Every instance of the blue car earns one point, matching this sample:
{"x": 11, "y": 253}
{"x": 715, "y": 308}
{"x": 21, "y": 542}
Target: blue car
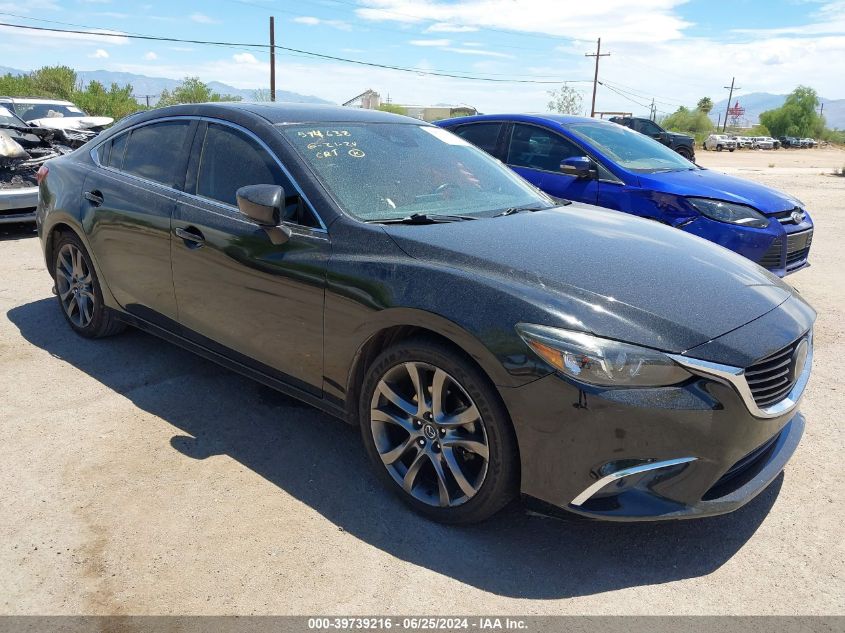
{"x": 602, "y": 163}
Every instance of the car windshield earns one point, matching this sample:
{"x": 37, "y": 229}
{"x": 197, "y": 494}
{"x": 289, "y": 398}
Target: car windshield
{"x": 389, "y": 171}
{"x": 8, "y": 118}
{"x": 630, "y": 149}
{"x": 32, "y": 111}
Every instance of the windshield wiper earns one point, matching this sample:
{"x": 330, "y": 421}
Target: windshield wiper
{"x": 513, "y": 210}
{"x": 424, "y": 218}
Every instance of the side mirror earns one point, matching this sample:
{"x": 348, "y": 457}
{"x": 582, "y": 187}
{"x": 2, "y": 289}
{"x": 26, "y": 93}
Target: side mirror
{"x": 263, "y": 205}
{"x": 578, "y": 166}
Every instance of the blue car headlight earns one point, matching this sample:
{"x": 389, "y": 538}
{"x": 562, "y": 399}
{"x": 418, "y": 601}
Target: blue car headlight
{"x": 729, "y": 212}
{"x": 601, "y": 361}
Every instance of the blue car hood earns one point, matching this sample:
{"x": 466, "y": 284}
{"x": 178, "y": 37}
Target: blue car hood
{"x": 705, "y": 183}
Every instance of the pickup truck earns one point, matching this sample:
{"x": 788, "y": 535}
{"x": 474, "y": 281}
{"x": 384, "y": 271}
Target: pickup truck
{"x": 681, "y": 143}
{"x": 719, "y": 142}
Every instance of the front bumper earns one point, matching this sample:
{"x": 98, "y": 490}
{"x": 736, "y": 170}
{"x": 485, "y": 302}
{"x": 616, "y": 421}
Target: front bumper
{"x": 690, "y": 450}
{"x": 18, "y": 205}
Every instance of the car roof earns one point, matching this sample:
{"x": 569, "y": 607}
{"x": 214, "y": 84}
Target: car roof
{"x": 281, "y": 113}
{"x": 35, "y": 100}
{"x": 560, "y": 119}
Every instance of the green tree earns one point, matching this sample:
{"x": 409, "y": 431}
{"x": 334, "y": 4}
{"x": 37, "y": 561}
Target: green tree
{"x": 191, "y": 90}
{"x": 115, "y": 102}
{"x": 392, "y": 107}
{"x": 564, "y": 100}
{"x": 58, "y": 82}
{"x": 694, "y": 122}
{"x": 705, "y": 104}
{"x": 797, "y": 116}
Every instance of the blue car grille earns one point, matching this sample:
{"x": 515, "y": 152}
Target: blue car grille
{"x": 797, "y": 250}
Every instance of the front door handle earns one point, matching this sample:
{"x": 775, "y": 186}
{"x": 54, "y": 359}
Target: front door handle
{"x": 95, "y": 197}
{"x": 192, "y": 236}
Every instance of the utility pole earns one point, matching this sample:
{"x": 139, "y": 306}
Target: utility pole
{"x": 597, "y": 54}
{"x": 821, "y": 112}
{"x": 730, "y": 97}
{"x": 651, "y": 110}
{"x": 272, "y": 59}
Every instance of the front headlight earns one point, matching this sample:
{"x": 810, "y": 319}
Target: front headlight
{"x": 729, "y": 212}
{"x": 600, "y": 361}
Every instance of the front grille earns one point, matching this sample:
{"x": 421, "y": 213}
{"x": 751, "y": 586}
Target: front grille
{"x": 771, "y": 379}
{"x": 798, "y": 247}
{"x": 771, "y": 258}
{"x": 785, "y": 217}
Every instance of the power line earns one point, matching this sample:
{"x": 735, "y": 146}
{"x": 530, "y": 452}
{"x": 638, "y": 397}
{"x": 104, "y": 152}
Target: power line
{"x": 417, "y": 71}
{"x": 251, "y": 45}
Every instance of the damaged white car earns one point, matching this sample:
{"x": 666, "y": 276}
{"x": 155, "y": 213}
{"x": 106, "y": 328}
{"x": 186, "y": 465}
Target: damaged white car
{"x": 23, "y": 149}
{"x": 54, "y": 113}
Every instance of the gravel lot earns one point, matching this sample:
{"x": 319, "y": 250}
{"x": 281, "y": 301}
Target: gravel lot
{"x": 140, "y": 479}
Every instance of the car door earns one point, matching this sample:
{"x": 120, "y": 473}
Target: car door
{"x": 535, "y": 153}
{"x": 130, "y": 197}
{"x": 238, "y": 293}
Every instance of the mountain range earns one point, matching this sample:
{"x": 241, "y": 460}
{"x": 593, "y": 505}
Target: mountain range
{"x": 142, "y": 86}
{"x": 757, "y": 102}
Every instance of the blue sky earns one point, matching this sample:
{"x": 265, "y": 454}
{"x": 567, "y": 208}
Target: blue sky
{"x": 669, "y": 50}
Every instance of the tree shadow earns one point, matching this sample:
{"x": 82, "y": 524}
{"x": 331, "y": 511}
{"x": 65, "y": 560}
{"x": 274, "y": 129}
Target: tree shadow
{"x": 320, "y": 461}
{"x": 17, "y": 231}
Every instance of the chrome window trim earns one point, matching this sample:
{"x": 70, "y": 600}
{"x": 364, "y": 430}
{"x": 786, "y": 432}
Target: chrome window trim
{"x": 735, "y": 376}
{"x": 585, "y": 496}
{"x": 93, "y": 153}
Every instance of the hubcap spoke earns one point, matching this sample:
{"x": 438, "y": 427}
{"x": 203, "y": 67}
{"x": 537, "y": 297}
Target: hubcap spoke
{"x": 413, "y": 470}
{"x": 456, "y": 471}
{"x": 441, "y": 480}
{"x": 74, "y": 285}
{"x": 438, "y": 385}
{"x": 473, "y": 446}
{"x": 414, "y": 373}
{"x": 387, "y": 391}
{"x": 378, "y": 415}
{"x": 392, "y": 456}
{"x": 465, "y": 417}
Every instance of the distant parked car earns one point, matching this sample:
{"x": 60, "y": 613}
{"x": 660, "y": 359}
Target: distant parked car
{"x": 808, "y": 142}
{"x": 789, "y": 141}
{"x": 744, "y": 142}
{"x": 597, "y": 162}
{"x": 53, "y": 113}
{"x": 719, "y": 142}
{"x": 762, "y": 142}
{"x": 681, "y": 143}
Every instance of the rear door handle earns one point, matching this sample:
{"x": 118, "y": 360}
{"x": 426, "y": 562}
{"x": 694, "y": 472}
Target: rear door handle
{"x": 193, "y": 236}
{"x": 95, "y": 197}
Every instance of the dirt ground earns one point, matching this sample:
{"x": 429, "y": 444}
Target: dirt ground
{"x": 140, "y": 479}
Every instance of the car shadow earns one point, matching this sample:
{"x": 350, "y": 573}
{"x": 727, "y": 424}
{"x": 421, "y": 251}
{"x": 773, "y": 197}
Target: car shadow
{"x": 17, "y": 231}
{"x": 320, "y": 461}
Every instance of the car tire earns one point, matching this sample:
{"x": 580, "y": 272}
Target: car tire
{"x": 453, "y": 460}
{"x": 718, "y": 148}
{"x": 683, "y": 151}
{"x": 78, "y": 290}
{"x": 731, "y": 149}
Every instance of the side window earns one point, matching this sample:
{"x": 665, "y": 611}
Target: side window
{"x": 118, "y": 148}
{"x": 536, "y": 148}
{"x": 154, "y": 151}
{"x": 482, "y": 135}
{"x": 648, "y": 128}
{"x": 104, "y": 152}
{"x": 230, "y": 160}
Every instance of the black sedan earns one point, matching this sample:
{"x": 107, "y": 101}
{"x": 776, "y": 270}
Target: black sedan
{"x": 488, "y": 340}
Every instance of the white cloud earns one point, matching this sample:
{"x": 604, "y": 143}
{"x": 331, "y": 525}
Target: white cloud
{"x": 202, "y": 18}
{"x": 99, "y": 54}
{"x": 150, "y": 56}
{"x": 57, "y": 39}
{"x": 445, "y": 27}
{"x": 476, "y": 51}
{"x": 310, "y": 20}
{"x": 619, "y": 20}
{"x": 429, "y": 42}
{"x": 245, "y": 58}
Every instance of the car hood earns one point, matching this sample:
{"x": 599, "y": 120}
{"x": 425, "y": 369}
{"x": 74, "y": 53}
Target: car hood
{"x": 605, "y": 272}
{"x": 73, "y": 123}
{"x": 705, "y": 183}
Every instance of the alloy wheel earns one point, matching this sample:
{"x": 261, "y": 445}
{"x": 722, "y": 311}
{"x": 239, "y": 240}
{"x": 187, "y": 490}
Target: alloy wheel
{"x": 75, "y": 285}
{"x": 429, "y": 434}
